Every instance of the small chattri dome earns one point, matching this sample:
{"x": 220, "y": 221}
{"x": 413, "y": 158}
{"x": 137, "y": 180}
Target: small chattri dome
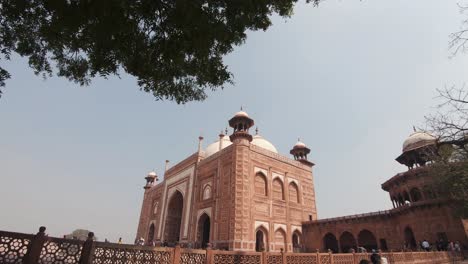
{"x": 417, "y": 140}
{"x": 263, "y": 143}
{"x": 241, "y": 113}
{"x": 300, "y": 144}
{"x": 152, "y": 173}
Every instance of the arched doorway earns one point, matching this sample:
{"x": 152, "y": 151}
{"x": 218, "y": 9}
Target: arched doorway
{"x": 296, "y": 241}
{"x": 347, "y": 242}
{"x": 150, "y": 234}
{"x": 367, "y": 240}
{"x": 410, "y": 241}
{"x": 261, "y": 239}
{"x": 330, "y": 242}
{"x": 174, "y": 218}
{"x": 204, "y": 225}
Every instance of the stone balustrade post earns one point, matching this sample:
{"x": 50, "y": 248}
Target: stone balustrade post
{"x": 355, "y": 260}
{"x": 34, "y": 249}
{"x": 318, "y": 256}
{"x": 264, "y": 258}
{"x": 283, "y": 256}
{"x": 176, "y": 255}
{"x": 330, "y": 253}
{"x": 87, "y": 251}
{"x": 209, "y": 254}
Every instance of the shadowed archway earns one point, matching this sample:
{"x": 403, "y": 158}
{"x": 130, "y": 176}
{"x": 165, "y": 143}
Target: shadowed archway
{"x": 174, "y": 218}
{"x": 330, "y": 242}
{"x": 150, "y": 234}
{"x": 347, "y": 242}
{"x": 204, "y": 225}
{"x": 367, "y": 240}
{"x": 410, "y": 241}
{"x": 261, "y": 240}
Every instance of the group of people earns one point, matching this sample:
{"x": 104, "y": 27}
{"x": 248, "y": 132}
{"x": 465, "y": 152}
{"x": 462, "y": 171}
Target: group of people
{"x": 375, "y": 259}
{"x": 440, "y": 245}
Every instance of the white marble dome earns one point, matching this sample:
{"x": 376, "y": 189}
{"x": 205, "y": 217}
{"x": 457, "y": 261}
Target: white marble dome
{"x": 152, "y": 173}
{"x": 214, "y": 147}
{"x": 263, "y": 143}
{"x": 257, "y": 140}
{"x": 417, "y": 140}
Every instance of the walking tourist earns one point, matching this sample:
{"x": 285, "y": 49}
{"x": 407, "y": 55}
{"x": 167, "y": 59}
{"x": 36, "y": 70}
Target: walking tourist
{"x": 375, "y": 257}
{"x": 457, "y": 246}
{"x": 425, "y": 245}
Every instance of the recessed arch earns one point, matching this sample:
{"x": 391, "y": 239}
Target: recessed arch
{"x": 347, "y": 242}
{"x": 297, "y": 241}
{"x": 206, "y": 192}
{"x": 410, "y": 241}
{"x": 278, "y": 189}
{"x": 174, "y": 217}
{"x": 261, "y": 239}
{"x": 204, "y": 228}
{"x": 367, "y": 240}
{"x": 330, "y": 243}
{"x": 293, "y": 192}
{"x": 260, "y": 184}
{"x": 280, "y": 239}
{"x": 150, "y": 234}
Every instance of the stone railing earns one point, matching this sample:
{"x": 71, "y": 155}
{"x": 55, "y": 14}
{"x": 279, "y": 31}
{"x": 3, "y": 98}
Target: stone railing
{"x": 31, "y": 249}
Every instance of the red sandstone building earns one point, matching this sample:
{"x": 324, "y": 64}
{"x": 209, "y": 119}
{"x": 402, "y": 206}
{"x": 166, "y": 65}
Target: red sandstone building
{"x": 418, "y": 213}
{"x": 237, "y": 194}
{"x": 240, "y": 194}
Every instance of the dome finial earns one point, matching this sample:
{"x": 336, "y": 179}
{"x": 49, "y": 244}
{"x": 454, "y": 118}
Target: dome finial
{"x": 226, "y": 131}
{"x": 414, "y": 128}
{"x": 256, "y": 131}
{"x": 241, "y": 108}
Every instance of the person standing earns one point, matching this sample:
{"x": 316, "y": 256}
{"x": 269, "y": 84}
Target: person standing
{"x": 425, "y": 245}
{"x": 375, "y": 257}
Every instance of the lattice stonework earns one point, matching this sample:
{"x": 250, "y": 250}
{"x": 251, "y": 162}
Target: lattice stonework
{"x": 325, "y": 259}
{"x": 192, "y": 258}
{"x": 236, "y": 259}
{"x": 301, "y": 259}
{"x": 343, "y": 259}
{"x": 60, "y": 252}
{"x": 104, "y": 255}
{"x": 12, "y": 250}
{"x": 275, "y": 259}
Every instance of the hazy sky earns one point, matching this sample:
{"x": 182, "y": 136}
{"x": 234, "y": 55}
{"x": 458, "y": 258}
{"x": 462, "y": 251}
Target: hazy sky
{"x": 350, "y": 78}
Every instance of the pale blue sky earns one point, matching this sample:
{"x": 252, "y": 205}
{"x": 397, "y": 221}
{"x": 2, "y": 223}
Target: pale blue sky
{"x": 350, "y": 78}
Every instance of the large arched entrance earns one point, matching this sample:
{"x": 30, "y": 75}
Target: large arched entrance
{"x": 347, "y": 242}
{"x": 150, "y": 234}
{"x": 367, "y": 240}
{"x": 261, "y": 239}
{"x": 204, "y": 225}
{"x": 330, "y": 242}
{"x": 174, "y": 218}
{"x": 410, "y": 241}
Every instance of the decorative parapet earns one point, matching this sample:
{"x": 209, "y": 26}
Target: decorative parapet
{"x": 378, "y": 214}
{"x": 15, "y": 246}
{"x": 279, "y": 157}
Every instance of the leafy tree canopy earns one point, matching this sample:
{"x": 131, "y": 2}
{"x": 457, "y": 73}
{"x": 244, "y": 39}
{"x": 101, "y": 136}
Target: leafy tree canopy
{"x": 174, "y": 48}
